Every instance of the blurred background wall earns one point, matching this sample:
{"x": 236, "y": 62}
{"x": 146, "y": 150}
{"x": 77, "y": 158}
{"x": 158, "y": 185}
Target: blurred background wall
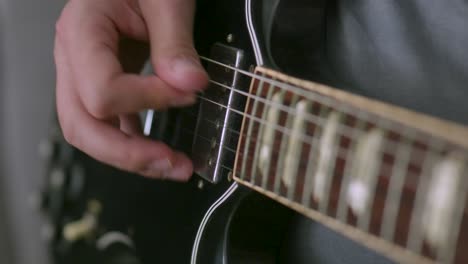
{"x": 27, "y": 81}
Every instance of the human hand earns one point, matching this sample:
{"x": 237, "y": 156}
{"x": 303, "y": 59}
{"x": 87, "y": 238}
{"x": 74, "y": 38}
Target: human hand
{"x": 97, "y": 102}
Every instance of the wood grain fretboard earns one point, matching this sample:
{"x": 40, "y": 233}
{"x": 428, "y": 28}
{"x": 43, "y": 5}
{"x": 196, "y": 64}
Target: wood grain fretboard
{"x": 389, "y": 178}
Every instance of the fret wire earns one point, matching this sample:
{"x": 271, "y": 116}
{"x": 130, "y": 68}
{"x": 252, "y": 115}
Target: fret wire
{"x": 314, "y": 96}
{"x": 461, "y": 206}
{"x": 285, "y": 86}
{"x": 342, "y": 128}
{"x": 343, "y": 206}
{"x": 311, "y": 96}
{"x": 402, "y": 159}
{"x": 395, "y": 190}
{"x": 364, "y": 220}
{"x": 249, "y": 133}
{"x": 228, "y": 168}
{"x": 253, "y": 170}
{"x": 288, "y": 110}
{"x": 415, "y": 236}
{"x": 323, "y": 202}
{"x": 258, "y": 139}
{"x": 313, "y": 152}
{"x": 305, "y": 138}
{"x": 289, "y": 122}
{"x": 283, "y": 130}
{"x": 384, "y": 167}
{"x": 277, "y": 180}
{"x": 341, "y": 152}
{"x": 312, "y": 140}
{"x": 399, "y": 133}
{"x": 233, "y": 150}
{"x": 448, "y": 254}
{"x": 431, "y": 146}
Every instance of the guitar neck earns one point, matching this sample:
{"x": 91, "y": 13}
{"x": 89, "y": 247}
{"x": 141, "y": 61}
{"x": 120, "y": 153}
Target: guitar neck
{"x": 387, "y": 177}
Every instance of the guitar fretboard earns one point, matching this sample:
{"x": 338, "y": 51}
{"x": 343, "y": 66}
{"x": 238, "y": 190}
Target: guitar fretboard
{"x": 390, "y": 178}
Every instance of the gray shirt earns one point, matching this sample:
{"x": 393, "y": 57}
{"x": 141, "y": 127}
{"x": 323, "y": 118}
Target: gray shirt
{"x": 412, "y": 53}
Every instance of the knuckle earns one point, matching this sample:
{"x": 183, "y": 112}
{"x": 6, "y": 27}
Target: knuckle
{"x": 66, "y": 124}
{"x": 59, "y": 35}
{"x": 97, "y": 102}
{"x": 68, "y": 132}
{"x": 62, "y": 26}
{"x": 97, "y": 108}
{"x": 69, "y": 137}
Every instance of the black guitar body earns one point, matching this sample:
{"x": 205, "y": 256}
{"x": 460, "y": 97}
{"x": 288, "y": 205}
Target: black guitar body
{"x": 248, "y": 227}
{"x": 182, "y": 223}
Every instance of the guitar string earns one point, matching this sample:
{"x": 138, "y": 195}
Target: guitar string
{"x": 283, "y": 86}
{"x": 386, "y": 168}
{"x": 388, "y": 149}
{"x": 229, "y": 109}
{"x": 314, "y": 141}
{"x": 281, "y": 107}
{"x": 317, "y": 120}
{"x": 304, "y": 138}
{"x": 311, "y": 96}
{"x": 314, "y": 119}
{"x": 341, "y": 152}
{"x": 283, "y": 130}
{"x": 309, "y": 140}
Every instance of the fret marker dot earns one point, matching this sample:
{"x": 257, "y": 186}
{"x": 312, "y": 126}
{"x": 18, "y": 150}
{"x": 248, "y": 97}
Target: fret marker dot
{"x": 358, "y": 194}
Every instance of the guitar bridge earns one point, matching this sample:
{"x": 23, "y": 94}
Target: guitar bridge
{"x": 219, "y": 114}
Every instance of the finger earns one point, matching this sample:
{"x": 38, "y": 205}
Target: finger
{"x": 128, "y": 93}
{"x": 104, "y": 89}
{"x": 130, "y": 124}
{"x": 130, "y": 152}
{"x": 170, "y": 26}
{"x": 107, "y": 143}
{"x": 176, "y": 170}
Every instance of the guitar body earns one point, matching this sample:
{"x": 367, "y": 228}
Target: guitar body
{"x": 246, "y": 227}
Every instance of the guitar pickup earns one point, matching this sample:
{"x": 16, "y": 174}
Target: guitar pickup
{"x": 219, "y": 116}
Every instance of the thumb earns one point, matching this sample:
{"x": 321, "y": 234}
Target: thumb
{"x": 170, "y": 27}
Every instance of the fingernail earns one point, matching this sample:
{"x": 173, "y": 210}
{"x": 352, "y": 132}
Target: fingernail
{"x": 185, "y": 64}
{"x": 182, "y": 101}
{"x": 160, "y": 166}
{"x": 179, "y": 173}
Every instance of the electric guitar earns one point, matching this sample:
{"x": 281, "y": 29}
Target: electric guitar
{"x": 389, "y": 178}
{"x": 268, "y": 141}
